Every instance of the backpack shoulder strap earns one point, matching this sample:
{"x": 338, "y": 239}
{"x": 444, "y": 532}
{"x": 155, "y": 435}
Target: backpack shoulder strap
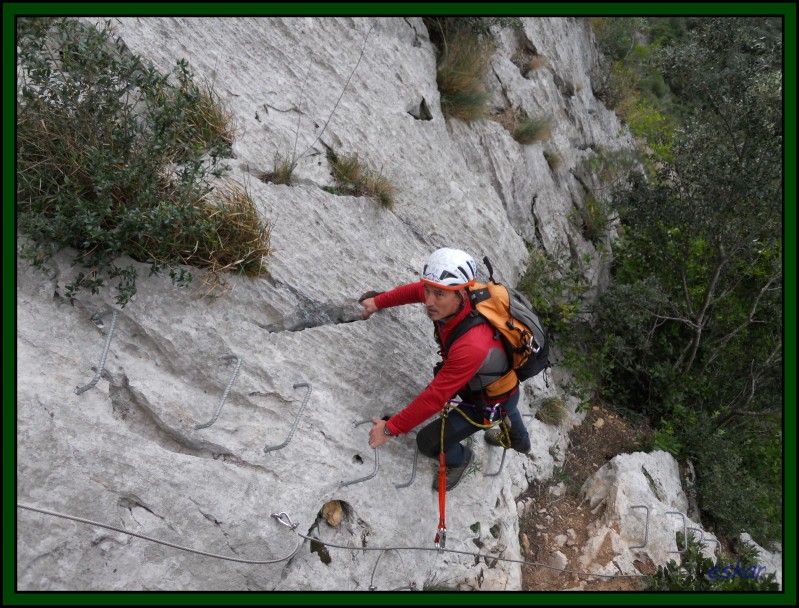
{"x": 473, "y": 319}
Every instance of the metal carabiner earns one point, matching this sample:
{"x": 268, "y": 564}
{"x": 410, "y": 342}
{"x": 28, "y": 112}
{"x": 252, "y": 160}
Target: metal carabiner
{"x": 284, "y": 519}
{"x": 441, "y": 538}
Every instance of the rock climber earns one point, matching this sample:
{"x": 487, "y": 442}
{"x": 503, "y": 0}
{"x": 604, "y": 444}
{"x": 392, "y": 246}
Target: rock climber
{"x": 475, "y": 360}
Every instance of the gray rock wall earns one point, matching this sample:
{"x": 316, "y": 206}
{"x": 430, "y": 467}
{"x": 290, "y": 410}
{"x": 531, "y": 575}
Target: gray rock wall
{"x": 127, "y": 452}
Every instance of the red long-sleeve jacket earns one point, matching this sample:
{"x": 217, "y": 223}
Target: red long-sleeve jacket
{"x": 465, "y": 358}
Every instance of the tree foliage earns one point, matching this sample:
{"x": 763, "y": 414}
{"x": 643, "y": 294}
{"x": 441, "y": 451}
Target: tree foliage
{"x": 691, "y": 329}
{"x": 695, "y": 572}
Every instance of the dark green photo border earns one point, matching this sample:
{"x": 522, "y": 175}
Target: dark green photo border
{"x": 10, "y": 594}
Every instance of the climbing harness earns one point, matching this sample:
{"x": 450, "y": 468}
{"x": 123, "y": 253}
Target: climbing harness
{"x": 488, "y": 422}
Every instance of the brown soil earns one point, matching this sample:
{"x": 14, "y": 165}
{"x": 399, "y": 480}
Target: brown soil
{"x": 601, "y": 436}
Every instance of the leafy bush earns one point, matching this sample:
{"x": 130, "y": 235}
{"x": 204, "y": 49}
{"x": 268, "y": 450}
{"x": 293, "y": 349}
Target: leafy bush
{"x": 354, "y": 179}
{"x": 695, "y": 572}
{"x": 553, "y": 285}
{"x": 593, "y": 218}
{"x": 616, "y": 35}
{"x": 114, "y": 158}
{"x": 756, "y": 470}
{"x": 652, "y": 127}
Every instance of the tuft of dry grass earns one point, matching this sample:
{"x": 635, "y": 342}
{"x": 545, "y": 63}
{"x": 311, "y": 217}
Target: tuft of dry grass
{"x": 537, "y": 62}
{"x": 533, "y": 130}
{"x": 353, "y": 178}
{"x": 211, "y": 118}
{"x": 207, "y": 123}
{"x": 379, "y": 188}
{"x": 461, "y": 76}
{"x": 553, "y": 411}
{"x": 524, "y": 129}
{"x": 347, "y": 170}
{"x": 528, "y": 61}
{"x": 554, "y": 160}
{"x": 240, "y": 240}
{"x": 283, "y": 171}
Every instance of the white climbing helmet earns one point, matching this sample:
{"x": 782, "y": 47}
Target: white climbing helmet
{"x": 449, "y": 269}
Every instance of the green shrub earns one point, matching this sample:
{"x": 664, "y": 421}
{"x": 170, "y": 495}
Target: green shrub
{"x": 654, "y": 129}
{"x": 665, "y": 439}
{"x": 756, "y": 468}
{"x": 114, "y": 158}
{"x": 553, "y": 285}
{"x": 593, "y": 218}
{"x": 695, "y": 572}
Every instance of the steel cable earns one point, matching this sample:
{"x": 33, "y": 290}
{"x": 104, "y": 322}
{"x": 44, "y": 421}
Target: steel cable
{"x": 282, "y": 518}
{"x": 162, "y": 542}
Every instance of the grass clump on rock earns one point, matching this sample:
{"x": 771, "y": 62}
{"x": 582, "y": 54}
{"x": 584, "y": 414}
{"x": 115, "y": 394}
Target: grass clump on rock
{"x": 354, "y": 179}
{"x": 117, "y": 159}
{"x": 553, "y": 411}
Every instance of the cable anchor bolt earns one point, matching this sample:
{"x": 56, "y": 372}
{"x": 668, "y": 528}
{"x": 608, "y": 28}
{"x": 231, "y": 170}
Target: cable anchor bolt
{"x": 284, "y": 519}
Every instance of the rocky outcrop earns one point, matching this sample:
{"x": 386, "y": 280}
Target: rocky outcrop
{"x": 640, "y": 507}
{"x": 287, "y": 356}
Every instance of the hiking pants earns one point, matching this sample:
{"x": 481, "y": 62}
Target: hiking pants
{"x": 456, "y": 429}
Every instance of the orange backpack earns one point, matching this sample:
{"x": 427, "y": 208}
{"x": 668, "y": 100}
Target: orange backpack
{"x": 522, "y": 333}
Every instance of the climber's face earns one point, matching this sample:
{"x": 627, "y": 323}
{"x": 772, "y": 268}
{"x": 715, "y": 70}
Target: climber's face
{"x": 441, "y": 304}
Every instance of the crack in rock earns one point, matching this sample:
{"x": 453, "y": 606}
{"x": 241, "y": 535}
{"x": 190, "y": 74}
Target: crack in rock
{"x": 132, "y": 408}
{"x": 317, "y": 315}
{"x": 131, "y": 501}
{"x": 311, "y": 314}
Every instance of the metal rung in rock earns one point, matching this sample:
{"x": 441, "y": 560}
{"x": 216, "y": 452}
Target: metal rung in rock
{"x": 296, "y": 418}
{"x": 95, "y": 318}
{"x": 224, "y": 395}
{"x": 377, "y": 461}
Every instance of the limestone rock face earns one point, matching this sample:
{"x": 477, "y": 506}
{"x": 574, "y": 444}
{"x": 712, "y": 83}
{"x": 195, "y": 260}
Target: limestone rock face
{"x": 286, "y": 356}
{"x": 640, "y": 507}
{"x": 639, "y": 501}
